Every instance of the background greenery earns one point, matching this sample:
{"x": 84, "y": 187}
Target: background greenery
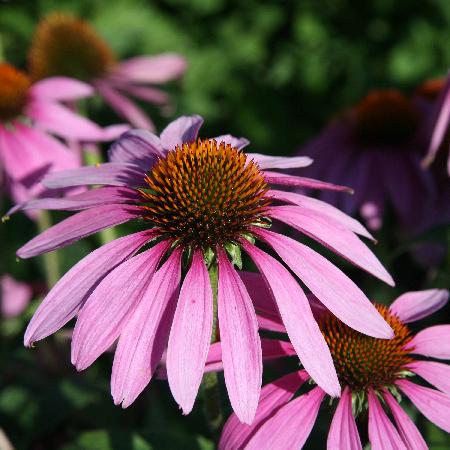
{"x": 273, "y": 71}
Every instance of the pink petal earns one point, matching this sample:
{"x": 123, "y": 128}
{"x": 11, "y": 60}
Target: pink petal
{"x": 61, "y": 88}
{"x": 331, "y": 286}
{"x": 113, "y": 174}
{"x": 78, "y": 226}
{"x": 190, "y": 334}
{"x": 145, "y": 336}
{"x": 183, "y": 130}
{"x": 291, "y": 180}
{"x": 241, "y": 346}
{"x": 235, "y": 435}
{"x": 298, "y": 319}
{"x": 124, "y": 107}
{"x": 152, "y": 69}
{"x": 318, "y": 206}
{"x": 65, "y": 299}
{"x": 291, "y": 426}
{"x": 111, "y": 305}
{"x": 343, "y": 432}
{"x": 435, "y": 373}
{"x": 408, "y": 431}
{"x": 434, "y": 405}
{"x": 433, "y": 342}
{"x": 382, "y": 434}
{"x": 235, "y": 142}
{"x": 280, "y": 162}
{"x": 148, "y": 94}
{"x": 334, "y": 236}
{"x": 416, "y": 305}
{"x": 14, "y": 296}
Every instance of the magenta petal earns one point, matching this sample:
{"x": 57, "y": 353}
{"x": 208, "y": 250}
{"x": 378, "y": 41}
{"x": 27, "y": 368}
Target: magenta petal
{"x": 113, "y": 174}
{"x": 146, "y": 93}
{"x": 111, "y": 305}
{"x": 61, "y": 88}
{"x": 434, "y": 405}
{"x": 382, "y": 433}
{"x": 291, "y": 426}
{"x": 235, "y": 434}
{"x": 301, "y": 327}
{"x": 435, "y": 373}
{"x": 144, "y": 338}
{"x": 235, "y": 142}
{"x": 14, "y": 296}
{"x": 333, "y": 235}
{"x": 433, "y": 342}
{"x": 182, "y": 130}
{"x": 241, "y": 346}
{"x": 190, "y": 334}
{"x": 331, "y": 286}
{"x": 318, "y": 206}
{"x": 408, "y": 431}
{"x": 68, "y": 295}
{"x": 280, "y": 162}
{"x": 416, "y": 305}
{"x": 78, "y": 226}
{"x": 343, "y": 432}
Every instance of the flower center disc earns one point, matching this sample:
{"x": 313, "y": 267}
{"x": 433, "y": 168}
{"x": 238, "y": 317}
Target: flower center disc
{"x": 13, "y": 92}
{"x": 385, "y": 118}
{"x": 430, "y": 89}
{"x": 364, "y": 362}
{"x": 66, "y": 45}
{"x": 205, "y": 194}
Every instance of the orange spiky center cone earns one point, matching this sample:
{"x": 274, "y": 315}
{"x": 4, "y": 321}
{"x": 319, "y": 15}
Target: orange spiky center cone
{"x": 14, "y": 86}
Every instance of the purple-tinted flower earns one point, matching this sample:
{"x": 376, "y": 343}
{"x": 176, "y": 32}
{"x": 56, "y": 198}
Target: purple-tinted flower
{"x": 373, "y": 374}
{"x": 29, "y": 114}
{"x": 376, "y": 148}
{"x": 198, "y": 200}
{"x": 14, "y": 296}
{"x": 66, "y": 45}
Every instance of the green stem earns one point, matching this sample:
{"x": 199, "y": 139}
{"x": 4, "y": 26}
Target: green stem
{"x": 213, "y": 408}
{"x": 51, "y": 260}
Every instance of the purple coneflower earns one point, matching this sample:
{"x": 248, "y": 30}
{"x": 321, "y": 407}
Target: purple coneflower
{"x": 29, "y": 114}
{"x": 66, "y": 45}
{"x": 373, "y": 374}
{"x": 14, "y": 296}
{"x": 198, "y": 200}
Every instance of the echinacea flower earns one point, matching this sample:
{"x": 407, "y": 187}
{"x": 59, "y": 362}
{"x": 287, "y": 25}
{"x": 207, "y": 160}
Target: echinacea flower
{"x": 376, "y": 148}
{"x": 197, "y": 200}
{"x": 67, "y": 45}
{"x": 373, "y": 373}
{"x": 29, "y": 114}
{"x": 14, "y": 296}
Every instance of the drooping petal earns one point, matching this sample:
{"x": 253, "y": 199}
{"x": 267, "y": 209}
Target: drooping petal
{"x": 235, "y": 434}
{"x": 291, "y": 426}
{"x": 190, "y": 334}
{"x": 434, "y": 405}
{"x": 408, "y": 431}
{"x": 113, "y": 174}
{"x": 14, "y": 296}
{"x": 382, "y": 433}
{"x": 301, "y": 327}
{"x": 111, "y": 305}
{"x": 238, "y": 143}
{"x": 435, "y": 373}
{"x": 146, "y": 93}
{"x": 280, "y": 162}
{"x": 66, "y": 298}
{"x": 61, "y": 89}
{"x": 331, "y": 286}
{"x": 241, "y": 346}
{"x": 183, "y": 130}
{"x": 433, "y": 342}
{"x": 78, "y": 226}
{"x": 318, "y": 206}
{"x": 343, "y": 432}
{"x": 416, "y": 305}
{"x": 152, "y": 69}
{"x": 334, "y": 236}
{"x": 145, "y": 336}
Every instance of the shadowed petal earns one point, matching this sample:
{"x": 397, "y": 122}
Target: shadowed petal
{"x": 180, "y": 131}
{"x": 435, "y": 373}
{"x": 61, "y": 88}
{"x": 241, "y": 346}
{"x": 280, "y": 162}
{"x": 190, "y": 334}
{"x": 433, "y": 342}
{"x": 416, "y": 305}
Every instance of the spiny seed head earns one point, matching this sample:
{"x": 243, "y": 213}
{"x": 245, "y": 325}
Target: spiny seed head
{"x": 66, "y": 45}
{"x": 205, "y": 194}
{"x": 14, "y": 86}
{"x": 385, "y": 117}
{"x": 364, "y": 362}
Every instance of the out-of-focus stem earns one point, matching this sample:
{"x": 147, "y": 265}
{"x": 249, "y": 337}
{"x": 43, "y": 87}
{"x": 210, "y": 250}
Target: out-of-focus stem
{"x": 51, "y": 260}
